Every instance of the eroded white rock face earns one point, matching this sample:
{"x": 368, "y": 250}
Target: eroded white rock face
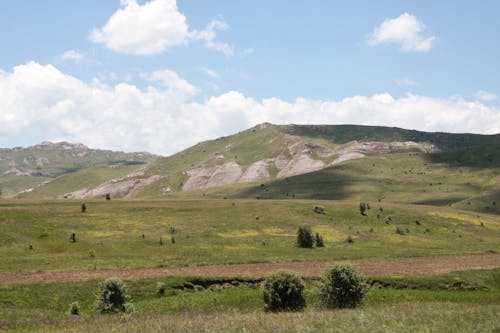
{"x": 204, "y": 177}
{"x": 116, "y": 188}
{"x": 299, "y": 165}
{"x": 347, "y": 157}
{"x": 257, "y": 171}
{"x": 354, "y": 149}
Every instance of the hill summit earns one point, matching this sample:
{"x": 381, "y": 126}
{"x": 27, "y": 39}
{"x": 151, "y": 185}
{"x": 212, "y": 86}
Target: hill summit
{"x": 295, "y": 161}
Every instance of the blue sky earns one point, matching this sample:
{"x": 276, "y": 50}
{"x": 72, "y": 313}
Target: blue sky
{"x": 161, "y": 75}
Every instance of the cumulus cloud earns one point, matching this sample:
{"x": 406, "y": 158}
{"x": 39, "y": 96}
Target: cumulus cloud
{"x": 405, "y": 30}
{"x": 485, "y": 95}
{"x": 154, "y": 28}
{"x": 72, "y": 55}
{"x": 39, "y": 101}
{"x": 208, "y": 37}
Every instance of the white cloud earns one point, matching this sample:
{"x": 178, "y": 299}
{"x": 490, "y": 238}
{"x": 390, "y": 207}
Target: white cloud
{"x": 72, "y": 55}
{"x": 405, "y": 30}
{"x": 151, "y": 28}
{"x": 208, "y": 37}
{"x": 405, "y": 82}
{"x": 485, "y": 95}
{"x": 154, "y": 28}
{"x": 39, "y": 101}
{"x": 210, "y": 72}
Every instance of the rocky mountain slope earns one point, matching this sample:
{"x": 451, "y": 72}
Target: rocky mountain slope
{"x": 327, "y": 162}
{"x": 24, "y": 169}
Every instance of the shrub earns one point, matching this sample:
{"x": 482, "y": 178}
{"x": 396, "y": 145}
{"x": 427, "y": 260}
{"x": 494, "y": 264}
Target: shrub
{"x": 400, "y": 231}
{"x": 362, "y": 208}
{"x": 74, "y": 309}
{"x": 84, "y": 207}
{"x": 283, "y": 291}
{"x": 304, "y": 236}
{"x": 342, "y": 287}
{"x": 111, "y": 296}
{"x": 319, "y": 240}
{"x": 160, "y": 289}
{"x": 319, "y": 209}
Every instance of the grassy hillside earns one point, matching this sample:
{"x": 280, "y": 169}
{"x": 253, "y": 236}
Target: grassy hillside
{"x": 245, "y": 148}
{"x": 406, "y": 178}
{"x": 110, "y": 234}
{"x": 344, "y": 133}
{"x": 86, "y": 178}
{"x": 465, "y": 170}
{"x": 25, "y": 168}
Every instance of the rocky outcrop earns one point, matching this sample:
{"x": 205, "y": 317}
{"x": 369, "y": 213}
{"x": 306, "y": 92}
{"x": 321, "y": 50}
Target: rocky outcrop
{"x": 257, "y": 171}
{"x": 299, "y": 165}
{"x": 355, "y": 149}
{"x": 116, "y": 188}
{"x": 212, "y": 176}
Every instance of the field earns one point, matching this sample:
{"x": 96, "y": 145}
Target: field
{"x": 418, "y": 258}
{"x": 117, "y": 234}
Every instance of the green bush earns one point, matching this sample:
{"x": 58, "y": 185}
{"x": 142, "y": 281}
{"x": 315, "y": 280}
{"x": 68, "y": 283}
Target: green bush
{"x": 305, "y": 236}
{"x": 342, "y": 287}
{"x": 283, "y": 291}
{"x": 319, "y": 240}
{"x": 74, "y": 309}
{"x": 161, "y": 288}
{"x": 111, "y": 296}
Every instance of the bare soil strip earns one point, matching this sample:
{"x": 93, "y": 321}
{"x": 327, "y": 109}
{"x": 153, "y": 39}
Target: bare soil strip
{"x": 374, "y": 266}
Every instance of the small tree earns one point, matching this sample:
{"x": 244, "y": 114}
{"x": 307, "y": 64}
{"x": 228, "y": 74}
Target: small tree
{"x": 305, "y": 236}
{"x": 319, "y": 240}
{"x": 72, "y": 237}
{"x": 84, "y": 207}
{"x": 342, "y": 287}
{"x": 111, "y": 296}
{"x": 283, "y": 291}
{"x": 362, "y": 208}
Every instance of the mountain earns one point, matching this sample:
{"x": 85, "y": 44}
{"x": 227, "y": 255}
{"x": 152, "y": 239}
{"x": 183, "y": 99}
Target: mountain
{"x": 314, "y": 162}
{"x": 27, "y": 169}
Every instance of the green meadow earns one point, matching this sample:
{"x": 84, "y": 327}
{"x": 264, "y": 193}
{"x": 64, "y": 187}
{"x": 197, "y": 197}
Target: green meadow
{"x": 466, "y": 301}
{"x": 35, "y": 235}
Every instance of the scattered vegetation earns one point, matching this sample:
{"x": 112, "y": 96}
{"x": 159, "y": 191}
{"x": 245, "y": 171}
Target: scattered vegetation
{"x": 74, "y": 309}
{"x": 112, "y": 296}
{"x": 342, "y": 287}
{"x": 319, "y": 240}
{"x": 305, "y": 236}
{"x": 283, "y": 291}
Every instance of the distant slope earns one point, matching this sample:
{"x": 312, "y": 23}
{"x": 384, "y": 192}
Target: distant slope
{"x": 342, "y": 134}
{"x": 26, "y": 168}
{"x": 316, "y": 162}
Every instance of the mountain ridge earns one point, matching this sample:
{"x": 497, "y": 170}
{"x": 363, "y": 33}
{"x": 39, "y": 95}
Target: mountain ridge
{"x": 309, "y": 156}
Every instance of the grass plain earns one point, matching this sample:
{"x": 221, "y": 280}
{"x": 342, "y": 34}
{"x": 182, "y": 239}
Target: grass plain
{"x": 35, "y": 235}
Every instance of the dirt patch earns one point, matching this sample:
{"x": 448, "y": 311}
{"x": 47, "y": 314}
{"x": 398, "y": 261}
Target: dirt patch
{"x": 375, "y": 266}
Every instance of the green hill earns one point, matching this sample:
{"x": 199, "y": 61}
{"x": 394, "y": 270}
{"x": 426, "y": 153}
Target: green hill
{"x": 348, "y": 162}
{"x": 26, "y": 169}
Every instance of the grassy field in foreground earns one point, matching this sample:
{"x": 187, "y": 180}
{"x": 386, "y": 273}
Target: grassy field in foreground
{"x": 455, "y": 302}
{"x": 35, "y": 235}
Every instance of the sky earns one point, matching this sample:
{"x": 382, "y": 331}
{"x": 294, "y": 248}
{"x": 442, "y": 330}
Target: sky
{"x": 162, "y": 75}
